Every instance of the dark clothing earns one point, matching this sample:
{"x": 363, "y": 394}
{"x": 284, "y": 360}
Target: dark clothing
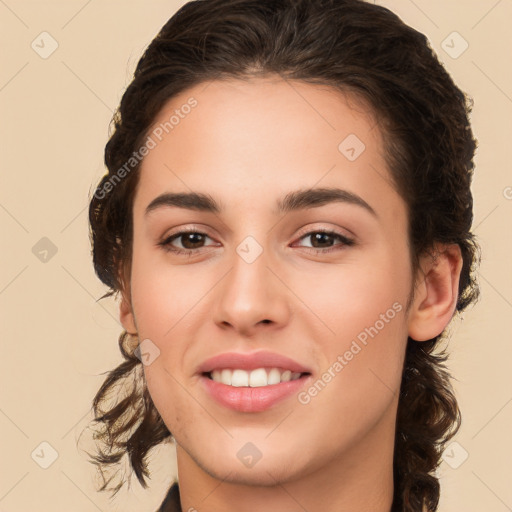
{"x": 171, "y": 502}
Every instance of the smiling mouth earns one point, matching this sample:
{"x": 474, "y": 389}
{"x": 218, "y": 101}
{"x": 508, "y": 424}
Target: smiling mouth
{"x": 259, "y": 377}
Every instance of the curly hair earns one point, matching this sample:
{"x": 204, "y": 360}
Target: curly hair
{"x": 358, "y": 48}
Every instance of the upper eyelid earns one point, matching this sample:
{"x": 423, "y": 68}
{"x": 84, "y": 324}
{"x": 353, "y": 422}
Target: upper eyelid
{"x": 345, "y": 239}
{"x": 335, "y": 231}
{"x": 311, "y": 229}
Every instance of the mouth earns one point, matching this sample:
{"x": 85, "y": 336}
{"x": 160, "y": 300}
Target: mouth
{"x": 257, "y": 378}
{"x": 252, "y": 382}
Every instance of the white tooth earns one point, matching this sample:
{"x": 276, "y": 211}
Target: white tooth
{"x": 239, "y": 378}
{"x": 225, "y": 377}
{"x": 286, "y": 376}
{"x": 258, "y": 378}
{"x": 274, "y": 376}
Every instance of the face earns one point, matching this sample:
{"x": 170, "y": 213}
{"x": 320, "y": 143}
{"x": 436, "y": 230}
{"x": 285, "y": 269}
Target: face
{"x": 276, "y": 325}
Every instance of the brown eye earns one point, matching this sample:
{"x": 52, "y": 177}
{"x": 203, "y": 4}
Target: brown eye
{"x": 325, "y": 241}
{"x": 185, "y": 242}
{"x": 191, "y": 240}
{"x": 319, "y": 239}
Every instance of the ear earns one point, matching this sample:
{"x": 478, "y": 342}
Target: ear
{"x": 126, "y": 314}
{"x": 435, "y": 293}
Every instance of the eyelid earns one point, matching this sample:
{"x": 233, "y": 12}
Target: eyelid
{"x": 315, "y": 228}
{"x": 183, "y": 231}
{"x": 193, "y": 228}
{"x": 346, "y": 241}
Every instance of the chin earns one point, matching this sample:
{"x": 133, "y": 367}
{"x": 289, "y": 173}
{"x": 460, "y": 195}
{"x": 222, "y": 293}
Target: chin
{"x": 245, "y": 464}
{"x": 263, "y": 475}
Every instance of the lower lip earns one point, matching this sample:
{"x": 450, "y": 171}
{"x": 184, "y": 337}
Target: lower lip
{"x": 247, "y": 399}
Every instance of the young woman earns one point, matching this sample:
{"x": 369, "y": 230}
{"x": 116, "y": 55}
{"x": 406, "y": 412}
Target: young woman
{"x": 286, "y": 219}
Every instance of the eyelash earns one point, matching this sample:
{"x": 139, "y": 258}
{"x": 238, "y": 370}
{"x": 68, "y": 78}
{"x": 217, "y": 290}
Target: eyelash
{"x": 166, "y": 244}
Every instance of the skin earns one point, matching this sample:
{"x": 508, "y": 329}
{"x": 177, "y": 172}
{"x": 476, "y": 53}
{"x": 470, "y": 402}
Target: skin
{"x": 247, "y": 144}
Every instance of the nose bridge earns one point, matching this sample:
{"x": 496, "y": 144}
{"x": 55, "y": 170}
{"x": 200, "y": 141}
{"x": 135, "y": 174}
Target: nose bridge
{"x": 251, "y": 294}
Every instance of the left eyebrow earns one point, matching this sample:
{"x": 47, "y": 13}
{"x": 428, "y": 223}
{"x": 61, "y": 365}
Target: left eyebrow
{"x": 315, "y": 197}
{"x": 296, "y": 200}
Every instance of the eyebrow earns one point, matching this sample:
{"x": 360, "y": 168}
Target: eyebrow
{"x": 296, "y": 200}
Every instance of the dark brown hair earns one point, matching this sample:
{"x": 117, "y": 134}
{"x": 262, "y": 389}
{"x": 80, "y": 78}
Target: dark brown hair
{"x": 361, "y": 49}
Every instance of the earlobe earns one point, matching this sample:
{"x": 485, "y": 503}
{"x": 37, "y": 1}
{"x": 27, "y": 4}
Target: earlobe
{"x": 436, "y": 292}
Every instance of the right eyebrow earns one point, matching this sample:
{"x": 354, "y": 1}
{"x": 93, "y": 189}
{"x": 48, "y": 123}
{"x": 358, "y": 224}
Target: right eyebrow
{"x": 189, "y": 200}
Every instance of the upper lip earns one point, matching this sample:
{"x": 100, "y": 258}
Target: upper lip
{"x": 251, "y": 361}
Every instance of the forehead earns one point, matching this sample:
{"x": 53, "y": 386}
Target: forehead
{"x": 258, "y": 139}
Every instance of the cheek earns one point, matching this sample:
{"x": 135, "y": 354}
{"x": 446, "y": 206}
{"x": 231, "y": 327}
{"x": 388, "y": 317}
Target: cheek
{"x": 362, "y": 358}
{"x": 168, "y": 398}
{"x": 364, "y": 310}
{"x": 163, "y": 295}
{"x": 352, "y": 297}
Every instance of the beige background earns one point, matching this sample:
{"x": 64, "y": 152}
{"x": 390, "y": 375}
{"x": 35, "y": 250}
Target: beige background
{"x": 57, "y": 340}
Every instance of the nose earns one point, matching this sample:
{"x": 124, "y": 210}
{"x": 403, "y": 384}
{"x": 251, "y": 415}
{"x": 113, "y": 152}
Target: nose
{"x": 252, "y": 297}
